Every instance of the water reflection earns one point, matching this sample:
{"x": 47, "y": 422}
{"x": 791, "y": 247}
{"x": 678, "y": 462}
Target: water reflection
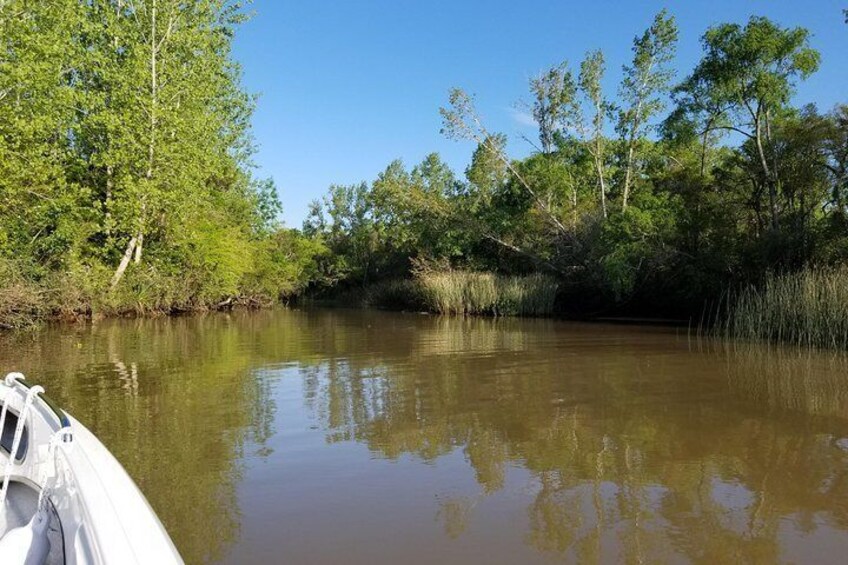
{"x": 812, "y": 382}
{"x": 174, "y": 400}
{"x": 641, "y": 448}
{"x": 369, "y": 437}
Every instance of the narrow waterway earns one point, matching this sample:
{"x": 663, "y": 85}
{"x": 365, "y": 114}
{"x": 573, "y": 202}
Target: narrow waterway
{"x": 333, "y": 436}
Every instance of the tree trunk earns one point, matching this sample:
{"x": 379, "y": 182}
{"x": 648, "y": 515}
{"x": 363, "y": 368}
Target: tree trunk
{"x": 138, "y": 247}
{"x": 769, "y": 177}
{"x": 546, "y": 210}
{"x": 704, "y": 152}
{"x": 125, "y": 261}
{"x": 573, "y": 206}
{"x": 631, "y": 154}
{"x": 628, "y": 175}
{"x": 108, "y": 199}
{"x": 600, "y": 170}
{"x": 151, "y": 148}
{"x": 599, "y": 159}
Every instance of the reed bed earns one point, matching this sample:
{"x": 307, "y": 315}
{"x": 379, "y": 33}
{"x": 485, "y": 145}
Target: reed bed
{"x": 808, "y": 309}
{"x": 474, "y": 293}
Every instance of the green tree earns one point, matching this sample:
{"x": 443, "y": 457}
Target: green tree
{"x": 645, "y": 82}
{"x": 744, "y": 81}
{"x": 487, "y": 172}
{"x": 461, "y": 121}
{"x": 125, "y": 152}
{"x": 836, "y": 153}
{"x": 42, "y": 209}
{"x": 554, "y": 103}
{"x": 591, "y": 73}
{"x": 183, "y": 115}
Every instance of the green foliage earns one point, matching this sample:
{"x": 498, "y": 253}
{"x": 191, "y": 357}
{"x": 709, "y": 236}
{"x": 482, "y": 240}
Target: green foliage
{"x": 487, "y": 174}
{"x": 21, "y": 301}
{"x": 555, "y": 104}
{"x": 645, "y": 83}
{"x": 631, "y": 246}
{"x": 743, "y": 85}
{"x": 757, "y": 64}
{"x": 374, "y": 230}
{"x": 286, "y": 263}
{"x": 125, "y": 161}
{"x": 633, "y": 222}
{"x": 126, "y": 184}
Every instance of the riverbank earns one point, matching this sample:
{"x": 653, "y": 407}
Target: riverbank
{"x": 808, "y": 309}
{"x": 27, "y": 302}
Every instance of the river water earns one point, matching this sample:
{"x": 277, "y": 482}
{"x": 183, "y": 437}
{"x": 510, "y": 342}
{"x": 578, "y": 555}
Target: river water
{"x": 336, "y": 436}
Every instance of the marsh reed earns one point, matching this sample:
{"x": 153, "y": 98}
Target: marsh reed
{"x": 808, "y": 308}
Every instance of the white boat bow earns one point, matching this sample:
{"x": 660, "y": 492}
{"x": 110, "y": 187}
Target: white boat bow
{"x": 65, "y": 499}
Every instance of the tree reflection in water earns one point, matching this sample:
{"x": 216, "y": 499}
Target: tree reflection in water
{"x": 174, "y": 400}
{"x": 642, "y": 447}
{"x": 614, "y": 444}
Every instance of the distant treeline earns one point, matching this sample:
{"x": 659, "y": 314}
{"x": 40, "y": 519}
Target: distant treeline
{"x": 126, "y": 182}
{"x": 653, "y": 200}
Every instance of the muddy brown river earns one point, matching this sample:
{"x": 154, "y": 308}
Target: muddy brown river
{"x": 334, "y": 436}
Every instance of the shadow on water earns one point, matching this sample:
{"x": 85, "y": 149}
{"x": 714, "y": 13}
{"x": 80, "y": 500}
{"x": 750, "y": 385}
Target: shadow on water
{"x": 599, "y": 443}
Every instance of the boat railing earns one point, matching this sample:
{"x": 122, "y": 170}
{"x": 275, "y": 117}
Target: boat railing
{"x": 13, "y": 379}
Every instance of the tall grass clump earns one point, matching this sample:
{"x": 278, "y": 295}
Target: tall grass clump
{"x": 808, "y": 308}
{"x": 474, "y": 293}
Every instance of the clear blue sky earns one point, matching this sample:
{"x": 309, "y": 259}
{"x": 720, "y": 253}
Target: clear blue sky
{"x": 347, "y": 86}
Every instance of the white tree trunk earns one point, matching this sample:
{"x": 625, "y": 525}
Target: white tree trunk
{"x": 125, "y": 261}
{"x": 138, "y": 247}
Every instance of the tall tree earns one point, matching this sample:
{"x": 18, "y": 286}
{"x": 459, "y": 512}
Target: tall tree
{"x": 184, "y": 119}
{"x": 746, "y": 78}
{"x": 836, "y": 155}
{"x": 591, "y": 73}
{"x": 41, "y": 207}
{"x": 646, "y": 82}
{"x": 554, "y": 101}
{"x": 487, "y": 172}
{"x": 461, "y": 121}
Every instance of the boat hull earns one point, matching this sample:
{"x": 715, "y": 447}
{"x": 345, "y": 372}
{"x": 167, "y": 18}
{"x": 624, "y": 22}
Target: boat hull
{"x": 103, "y": 516}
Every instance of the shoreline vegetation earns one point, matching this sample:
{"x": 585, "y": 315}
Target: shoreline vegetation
{"x": 465, "y": 293}
{"x": 808, "y": 309}
{"x": 127, "y": 185}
